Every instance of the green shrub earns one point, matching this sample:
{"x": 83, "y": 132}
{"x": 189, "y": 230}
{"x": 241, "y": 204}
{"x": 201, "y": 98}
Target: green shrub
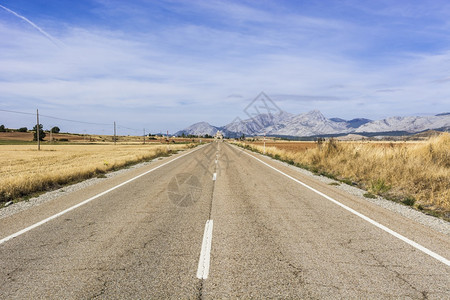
{"x": 409, "y": 201}
{"x": 369, "y": 195}
{"x": 379, "y": 187}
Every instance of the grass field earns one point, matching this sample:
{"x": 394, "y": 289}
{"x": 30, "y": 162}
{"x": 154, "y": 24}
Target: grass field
{"x": 305, "y": 145}
{"x": 288, "y": 146}
{"x": 24, "y": 170}
{"x": 417, "y": 174}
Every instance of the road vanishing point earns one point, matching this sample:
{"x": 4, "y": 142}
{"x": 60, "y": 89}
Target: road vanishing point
{"x": 217, "y": 221}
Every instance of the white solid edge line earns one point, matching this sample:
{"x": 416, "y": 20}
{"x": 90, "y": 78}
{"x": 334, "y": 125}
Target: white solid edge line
{"x": 205, "y": 253}
{"x": 390, "y": 231}
{"x": 88, "y": 200}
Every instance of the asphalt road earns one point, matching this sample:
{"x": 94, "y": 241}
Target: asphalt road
{"x": 235, "y": 228}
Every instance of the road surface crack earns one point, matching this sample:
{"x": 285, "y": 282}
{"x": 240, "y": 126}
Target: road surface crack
{"x": 399, "y": 276}
{"x": 102, "y": 289}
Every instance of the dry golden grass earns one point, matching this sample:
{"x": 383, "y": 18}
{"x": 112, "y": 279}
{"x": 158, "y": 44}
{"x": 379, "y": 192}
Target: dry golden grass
{"x": 24, "y": 170}
{"x": 289, "y": 146}
{"x": 403, "y": 171}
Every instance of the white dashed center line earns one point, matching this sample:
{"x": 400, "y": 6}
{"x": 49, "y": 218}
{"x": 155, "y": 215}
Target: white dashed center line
{"x": 203, "y": 263}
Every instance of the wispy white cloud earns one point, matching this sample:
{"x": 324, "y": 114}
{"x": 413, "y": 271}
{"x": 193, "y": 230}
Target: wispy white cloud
{"x": 43, "y": 32}
{"x": 190, "y": 68}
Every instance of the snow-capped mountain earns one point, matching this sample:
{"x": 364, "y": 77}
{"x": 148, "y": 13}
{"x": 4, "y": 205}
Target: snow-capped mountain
{"x": 200, "y": 129}
{"x": 258, "y": 124}
{"x": 314, "y": 123}
{"x": 354, "y": 123}
{"x": 408, "y": 124}
{"x": 309, "y": 124}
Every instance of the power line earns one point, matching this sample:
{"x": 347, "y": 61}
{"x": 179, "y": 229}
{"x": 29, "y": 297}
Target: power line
{"x": 123, "y": 127}
{"x": 18, "y": 112}
{"x": 74, "y": 121}
{"x": 134, "y": 129}
{"x": 56, "y": 118}
{"x": 69, "y": 120}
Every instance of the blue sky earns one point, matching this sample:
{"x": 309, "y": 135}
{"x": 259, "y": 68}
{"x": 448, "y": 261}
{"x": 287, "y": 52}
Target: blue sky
{"x": 163, "y": 65}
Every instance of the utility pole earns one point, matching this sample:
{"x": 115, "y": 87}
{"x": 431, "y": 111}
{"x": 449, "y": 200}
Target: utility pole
{"x": 264, "y": 142}
{"x": 168, "y": 142}
{"x": 114, "y": 132}
{"x": 144, "y": 136}
{"x": 37, "y": 130}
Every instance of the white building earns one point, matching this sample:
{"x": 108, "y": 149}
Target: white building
{"x": 218, "y": 135}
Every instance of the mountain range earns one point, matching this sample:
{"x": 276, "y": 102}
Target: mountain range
{"x": 314, "y": 123}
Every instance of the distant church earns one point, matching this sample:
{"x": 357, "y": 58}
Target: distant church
{"x": 218, "y": 135}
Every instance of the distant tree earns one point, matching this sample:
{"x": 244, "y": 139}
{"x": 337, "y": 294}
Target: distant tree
{"x": 207, "y": 136}
{"x": 22, "y": 129}
{"x": 2, "y": 128}
{"x": 320, "y": 141}
{"x": 55, "y": 129}
{"x": 183, "y": 135}
{"x": 243, "y": 137}
{"x": 41, "y": 133}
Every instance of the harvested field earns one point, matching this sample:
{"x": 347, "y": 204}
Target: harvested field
{"x": 56, "y": 138}
{"x": 16, "y": 136}
{"x": 24, "y": 170}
